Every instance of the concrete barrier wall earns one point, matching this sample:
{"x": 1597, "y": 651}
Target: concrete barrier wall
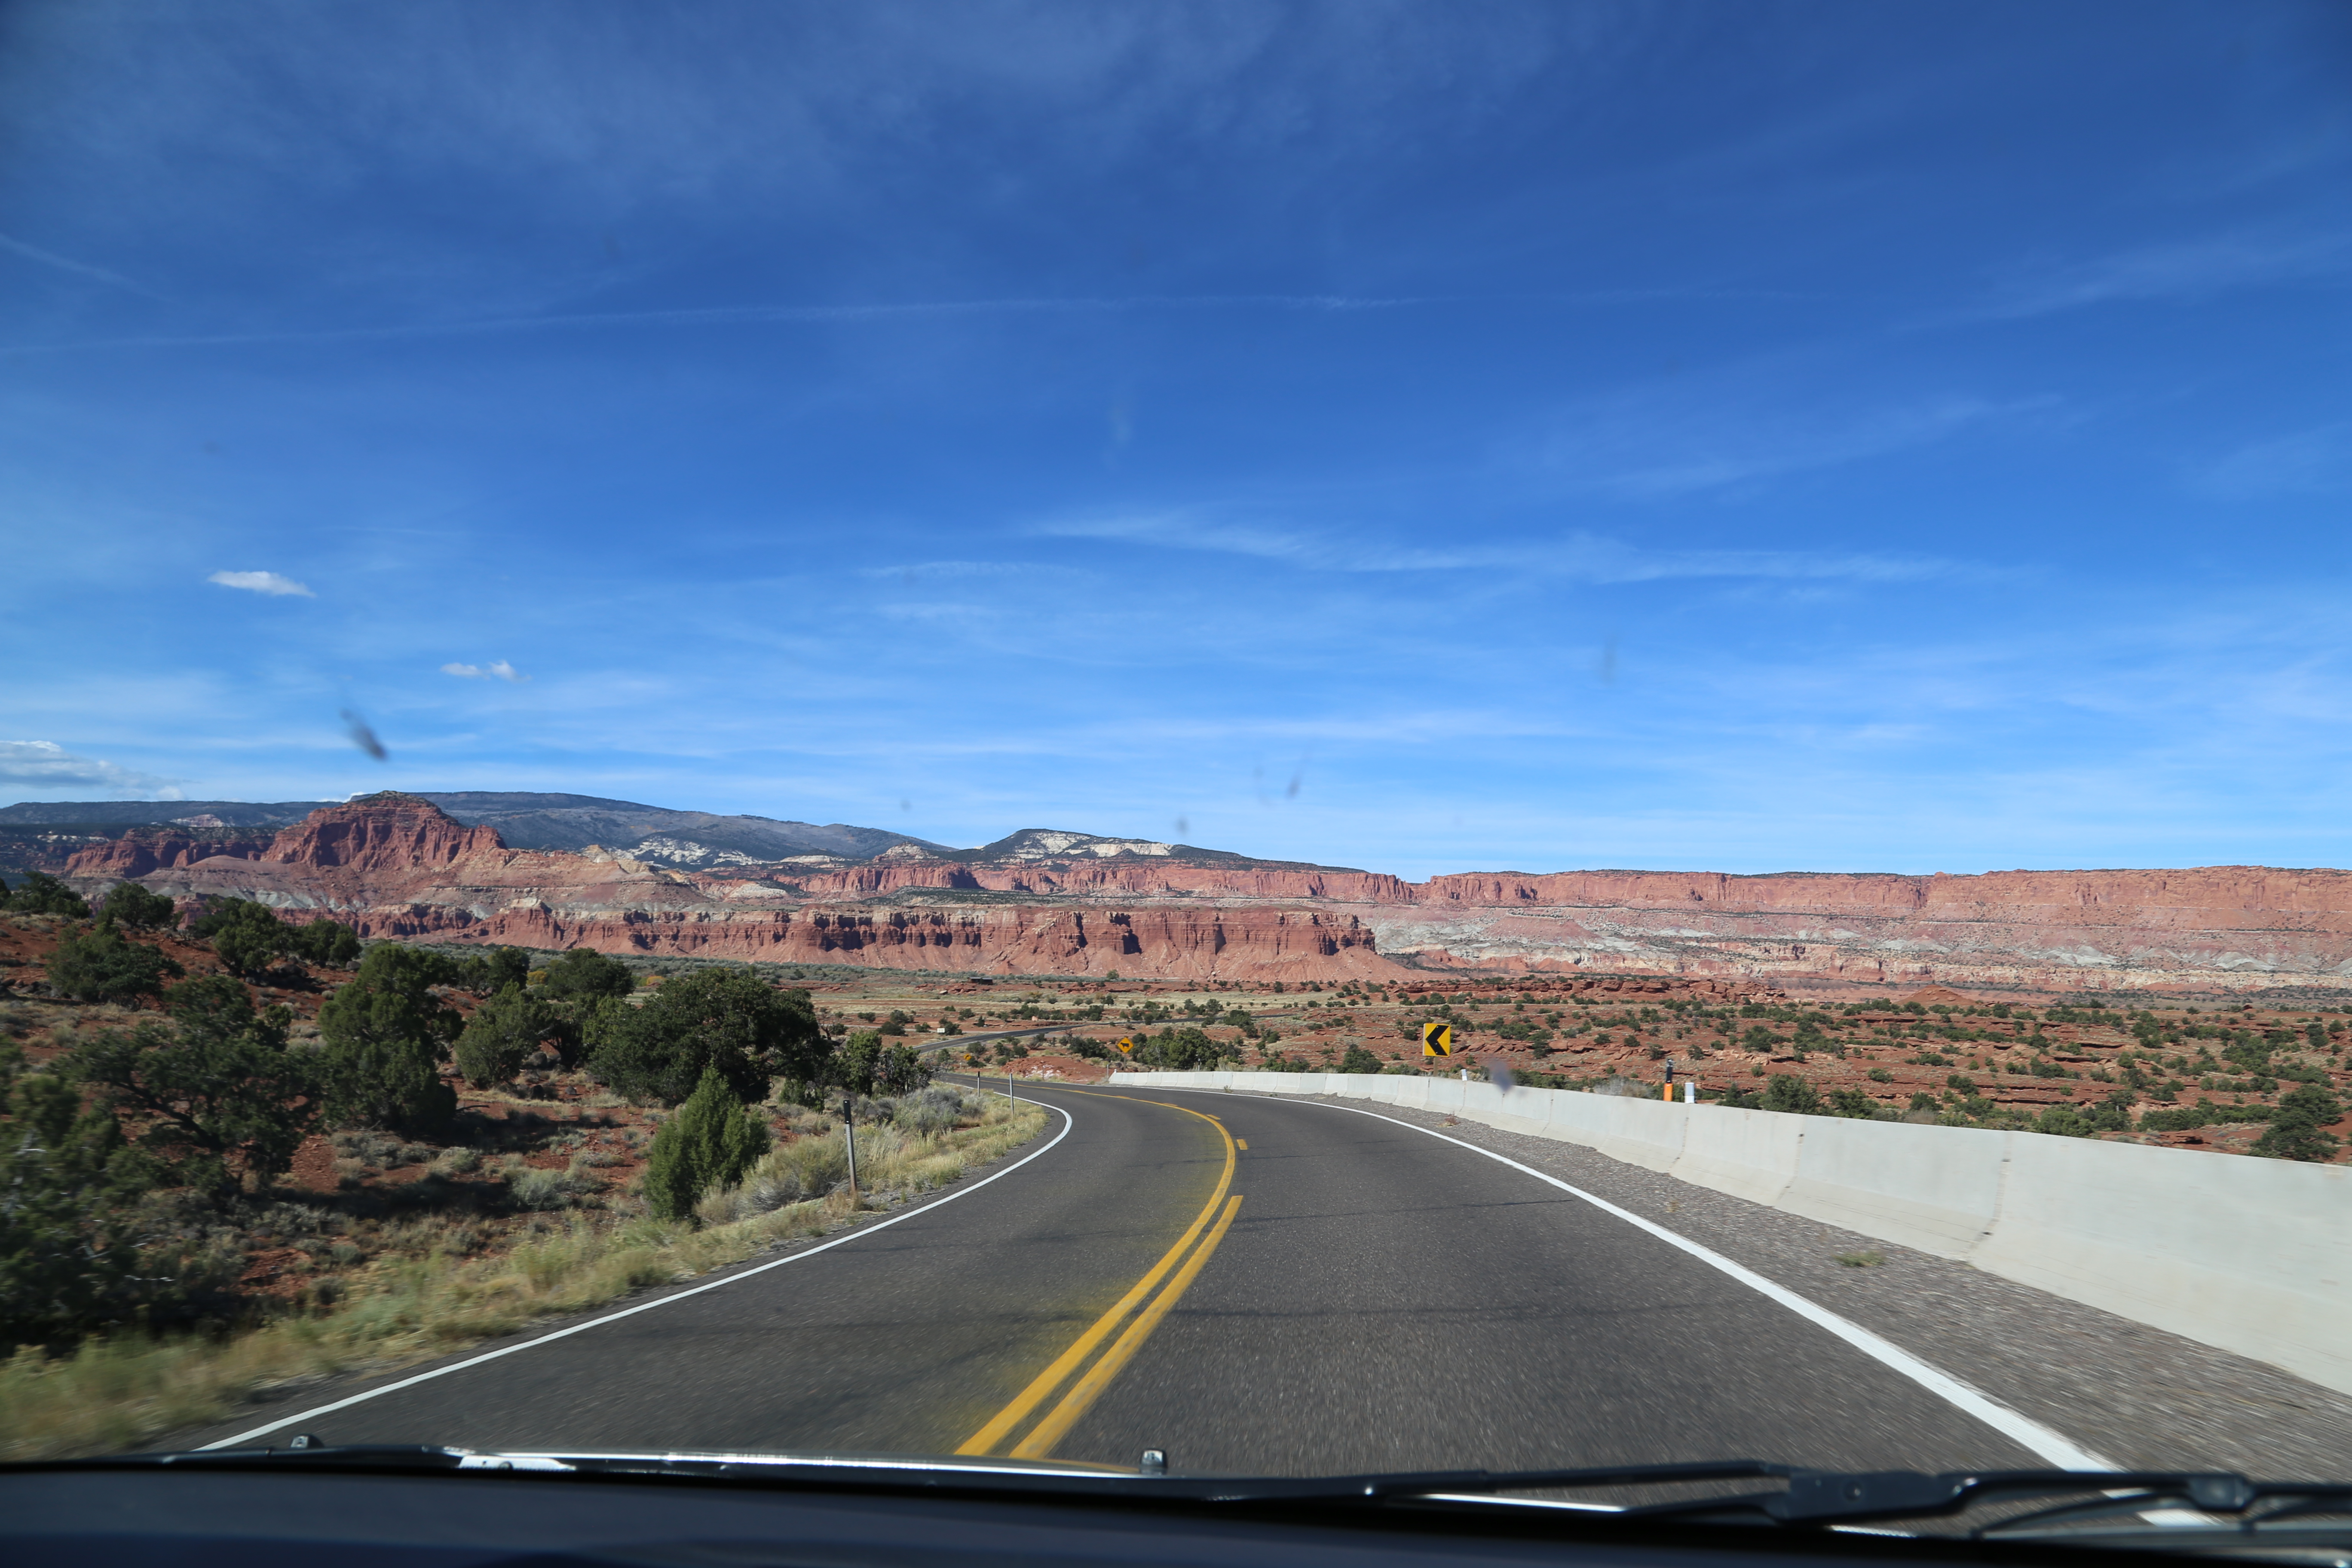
{"x": 2253, "y": 1256}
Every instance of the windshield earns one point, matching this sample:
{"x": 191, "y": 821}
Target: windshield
{"x": 1265, "y": 740}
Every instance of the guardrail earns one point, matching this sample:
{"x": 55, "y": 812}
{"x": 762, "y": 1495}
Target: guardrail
{"x": 2252, "y": 1256}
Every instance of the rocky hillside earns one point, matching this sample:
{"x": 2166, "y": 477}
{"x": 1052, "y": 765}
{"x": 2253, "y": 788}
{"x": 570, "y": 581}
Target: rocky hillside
{"x": 1050, "y": 902}
{"x": 524, "y": 820}
{"x": 398, "y": 866}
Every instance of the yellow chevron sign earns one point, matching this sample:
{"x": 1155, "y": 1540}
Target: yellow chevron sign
{"x": 1436, "y": 1039}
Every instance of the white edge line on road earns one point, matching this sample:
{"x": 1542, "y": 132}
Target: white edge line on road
{"x": 2053, "y": 1447}
{"x": 645, "y": 1306}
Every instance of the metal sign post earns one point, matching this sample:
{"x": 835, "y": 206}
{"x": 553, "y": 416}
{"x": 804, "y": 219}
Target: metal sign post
{"x": 849, "y": 1132}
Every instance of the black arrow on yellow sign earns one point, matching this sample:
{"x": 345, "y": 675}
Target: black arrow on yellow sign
{"x": 1436, "y": 1039}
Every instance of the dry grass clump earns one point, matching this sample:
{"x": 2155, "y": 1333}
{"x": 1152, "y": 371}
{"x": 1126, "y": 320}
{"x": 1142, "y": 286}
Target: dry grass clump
{"x": 115, "y": 1393}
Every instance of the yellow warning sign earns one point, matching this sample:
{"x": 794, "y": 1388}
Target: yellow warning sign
{"x": 1436, "y": 1039}
{"x": 1127, "y": 1045}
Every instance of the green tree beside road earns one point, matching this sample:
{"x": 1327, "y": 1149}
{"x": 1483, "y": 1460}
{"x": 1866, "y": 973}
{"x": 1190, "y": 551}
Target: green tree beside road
{"x": 386, "y": 1035}
{"x": 710, "y": 1142}
{"x": 129, "y": 905}
{"x": 67, "y": 1262}
{"x": 223, "y": 1102}
{"x": 504, "y": 1034}
{"x": 726, "y": 1020}
{"x": 42, "y": 894}
{"x": 2295, "y": 1132}
{"x": 101, "y": 966}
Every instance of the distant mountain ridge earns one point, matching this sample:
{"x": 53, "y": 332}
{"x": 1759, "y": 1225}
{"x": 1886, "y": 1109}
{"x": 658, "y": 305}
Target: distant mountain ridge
{"x": 700, "y": 840}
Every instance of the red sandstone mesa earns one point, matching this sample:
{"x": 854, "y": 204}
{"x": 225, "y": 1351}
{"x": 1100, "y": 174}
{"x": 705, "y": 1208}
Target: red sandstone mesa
{"x": 397, "y": 866}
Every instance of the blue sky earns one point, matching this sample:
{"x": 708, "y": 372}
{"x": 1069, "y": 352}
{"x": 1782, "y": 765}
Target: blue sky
{"x": 1427, "y": 438}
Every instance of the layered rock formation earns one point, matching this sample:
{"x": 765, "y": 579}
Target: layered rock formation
{"x": 2216, "y": 928}
{"x": 147, "y": 849}
{"x": 393, "y": 866}
{"x": 396, "y": 865}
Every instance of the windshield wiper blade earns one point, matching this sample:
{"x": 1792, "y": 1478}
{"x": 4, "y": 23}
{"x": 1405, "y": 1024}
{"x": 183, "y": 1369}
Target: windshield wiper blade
{"x": 1829, "y": 1497}
{"x": 1812, "y": 1498}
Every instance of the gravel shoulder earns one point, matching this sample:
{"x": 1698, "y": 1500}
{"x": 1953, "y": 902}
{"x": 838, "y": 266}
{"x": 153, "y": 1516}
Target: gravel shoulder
{"x": 2139, "y": 1395}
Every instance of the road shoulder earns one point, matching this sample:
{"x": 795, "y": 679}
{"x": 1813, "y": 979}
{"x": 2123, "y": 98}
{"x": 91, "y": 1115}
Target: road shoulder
{"x": 2135, "y": 1394}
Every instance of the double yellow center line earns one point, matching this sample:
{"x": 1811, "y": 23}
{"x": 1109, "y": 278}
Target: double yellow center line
{"x": 1139, "y": 1310}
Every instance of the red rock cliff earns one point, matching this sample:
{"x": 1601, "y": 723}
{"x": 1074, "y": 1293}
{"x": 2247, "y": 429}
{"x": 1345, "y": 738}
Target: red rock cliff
{"x": 146, "y": 850}
{"x": 387, "y": 832}
{"x": 395, "y": 866}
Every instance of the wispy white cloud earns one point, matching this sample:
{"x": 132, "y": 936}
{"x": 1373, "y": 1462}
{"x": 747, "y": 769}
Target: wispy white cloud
{"x": 940, "y": 571}
{"x": 2308, "y": 462}
{"x": 847, "y": 314}
{"x": 1575, "y": 555}
{"x": 2187, "y": 270}
{"x": 45, "y": 766}
{"x": 1664, "y": 443}
{"x": 268, "y": 582}
{"x": 496, "y": 669}
{"x": 68, "y": 264}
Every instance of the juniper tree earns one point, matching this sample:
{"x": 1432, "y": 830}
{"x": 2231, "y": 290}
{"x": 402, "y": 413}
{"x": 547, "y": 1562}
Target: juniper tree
{"x": 503, "y": 1035}
{"x": 129, "y": 904}
{"x": 710, "y": 1142}
{"x": 223, "y": 1100}
{"x": 101, "y": 966}
{"x": 386, "y": 1035}
{"x": 726, "y": 1019}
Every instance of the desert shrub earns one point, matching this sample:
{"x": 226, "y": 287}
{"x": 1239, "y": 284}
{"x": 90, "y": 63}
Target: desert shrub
{"x": 902, "y": 1070}
{"x": 2112, "y": 1114}
{"x": 583, "y": 973}
{"x": 385, "y": 1034}
{"x": 2062, "y": 1122}
{"x": 246, "y": 935}
{"x": 1188, "y": 1049}
{"x": 2249, "y": 1051}
{"x": 326, "y": 943}
{"x": 1358, "y": 1059}
{"x": 857, "y": 1060}
{"x": 129, "y": 904}
{"x": 42, "y": 894}
{"x": 531, "y": 1188}
{"x": 102, "y": 967}
{"x": 489, "y": 974}
{"x": 223, "y": 1102}
{"x": 725, "y": 1020}
{"x": 2294, "y": 1130}
{"x": 65, "y": 1253}
{"x": 710, "y": 1142}
{"x": 929, "y": 1111}
{"x": 1923, "y": 1100}
{"x": 504, "y": 1033}
{"x": 1788, "y": 1092}
{"x": 1853, "y": 1103}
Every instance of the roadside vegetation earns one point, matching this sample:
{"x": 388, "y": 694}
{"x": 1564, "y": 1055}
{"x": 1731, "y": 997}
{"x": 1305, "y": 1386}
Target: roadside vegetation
{"x": 2239, "y": 1078}
{"x": 122, "y": 1389}
{"x": 237, "y": 1149}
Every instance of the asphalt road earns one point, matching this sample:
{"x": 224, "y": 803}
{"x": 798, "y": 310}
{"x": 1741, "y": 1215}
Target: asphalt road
{"x": 1376, "y": 1299}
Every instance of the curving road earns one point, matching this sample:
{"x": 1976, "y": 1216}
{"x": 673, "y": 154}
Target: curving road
{"x": 1252, "y": 1285}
